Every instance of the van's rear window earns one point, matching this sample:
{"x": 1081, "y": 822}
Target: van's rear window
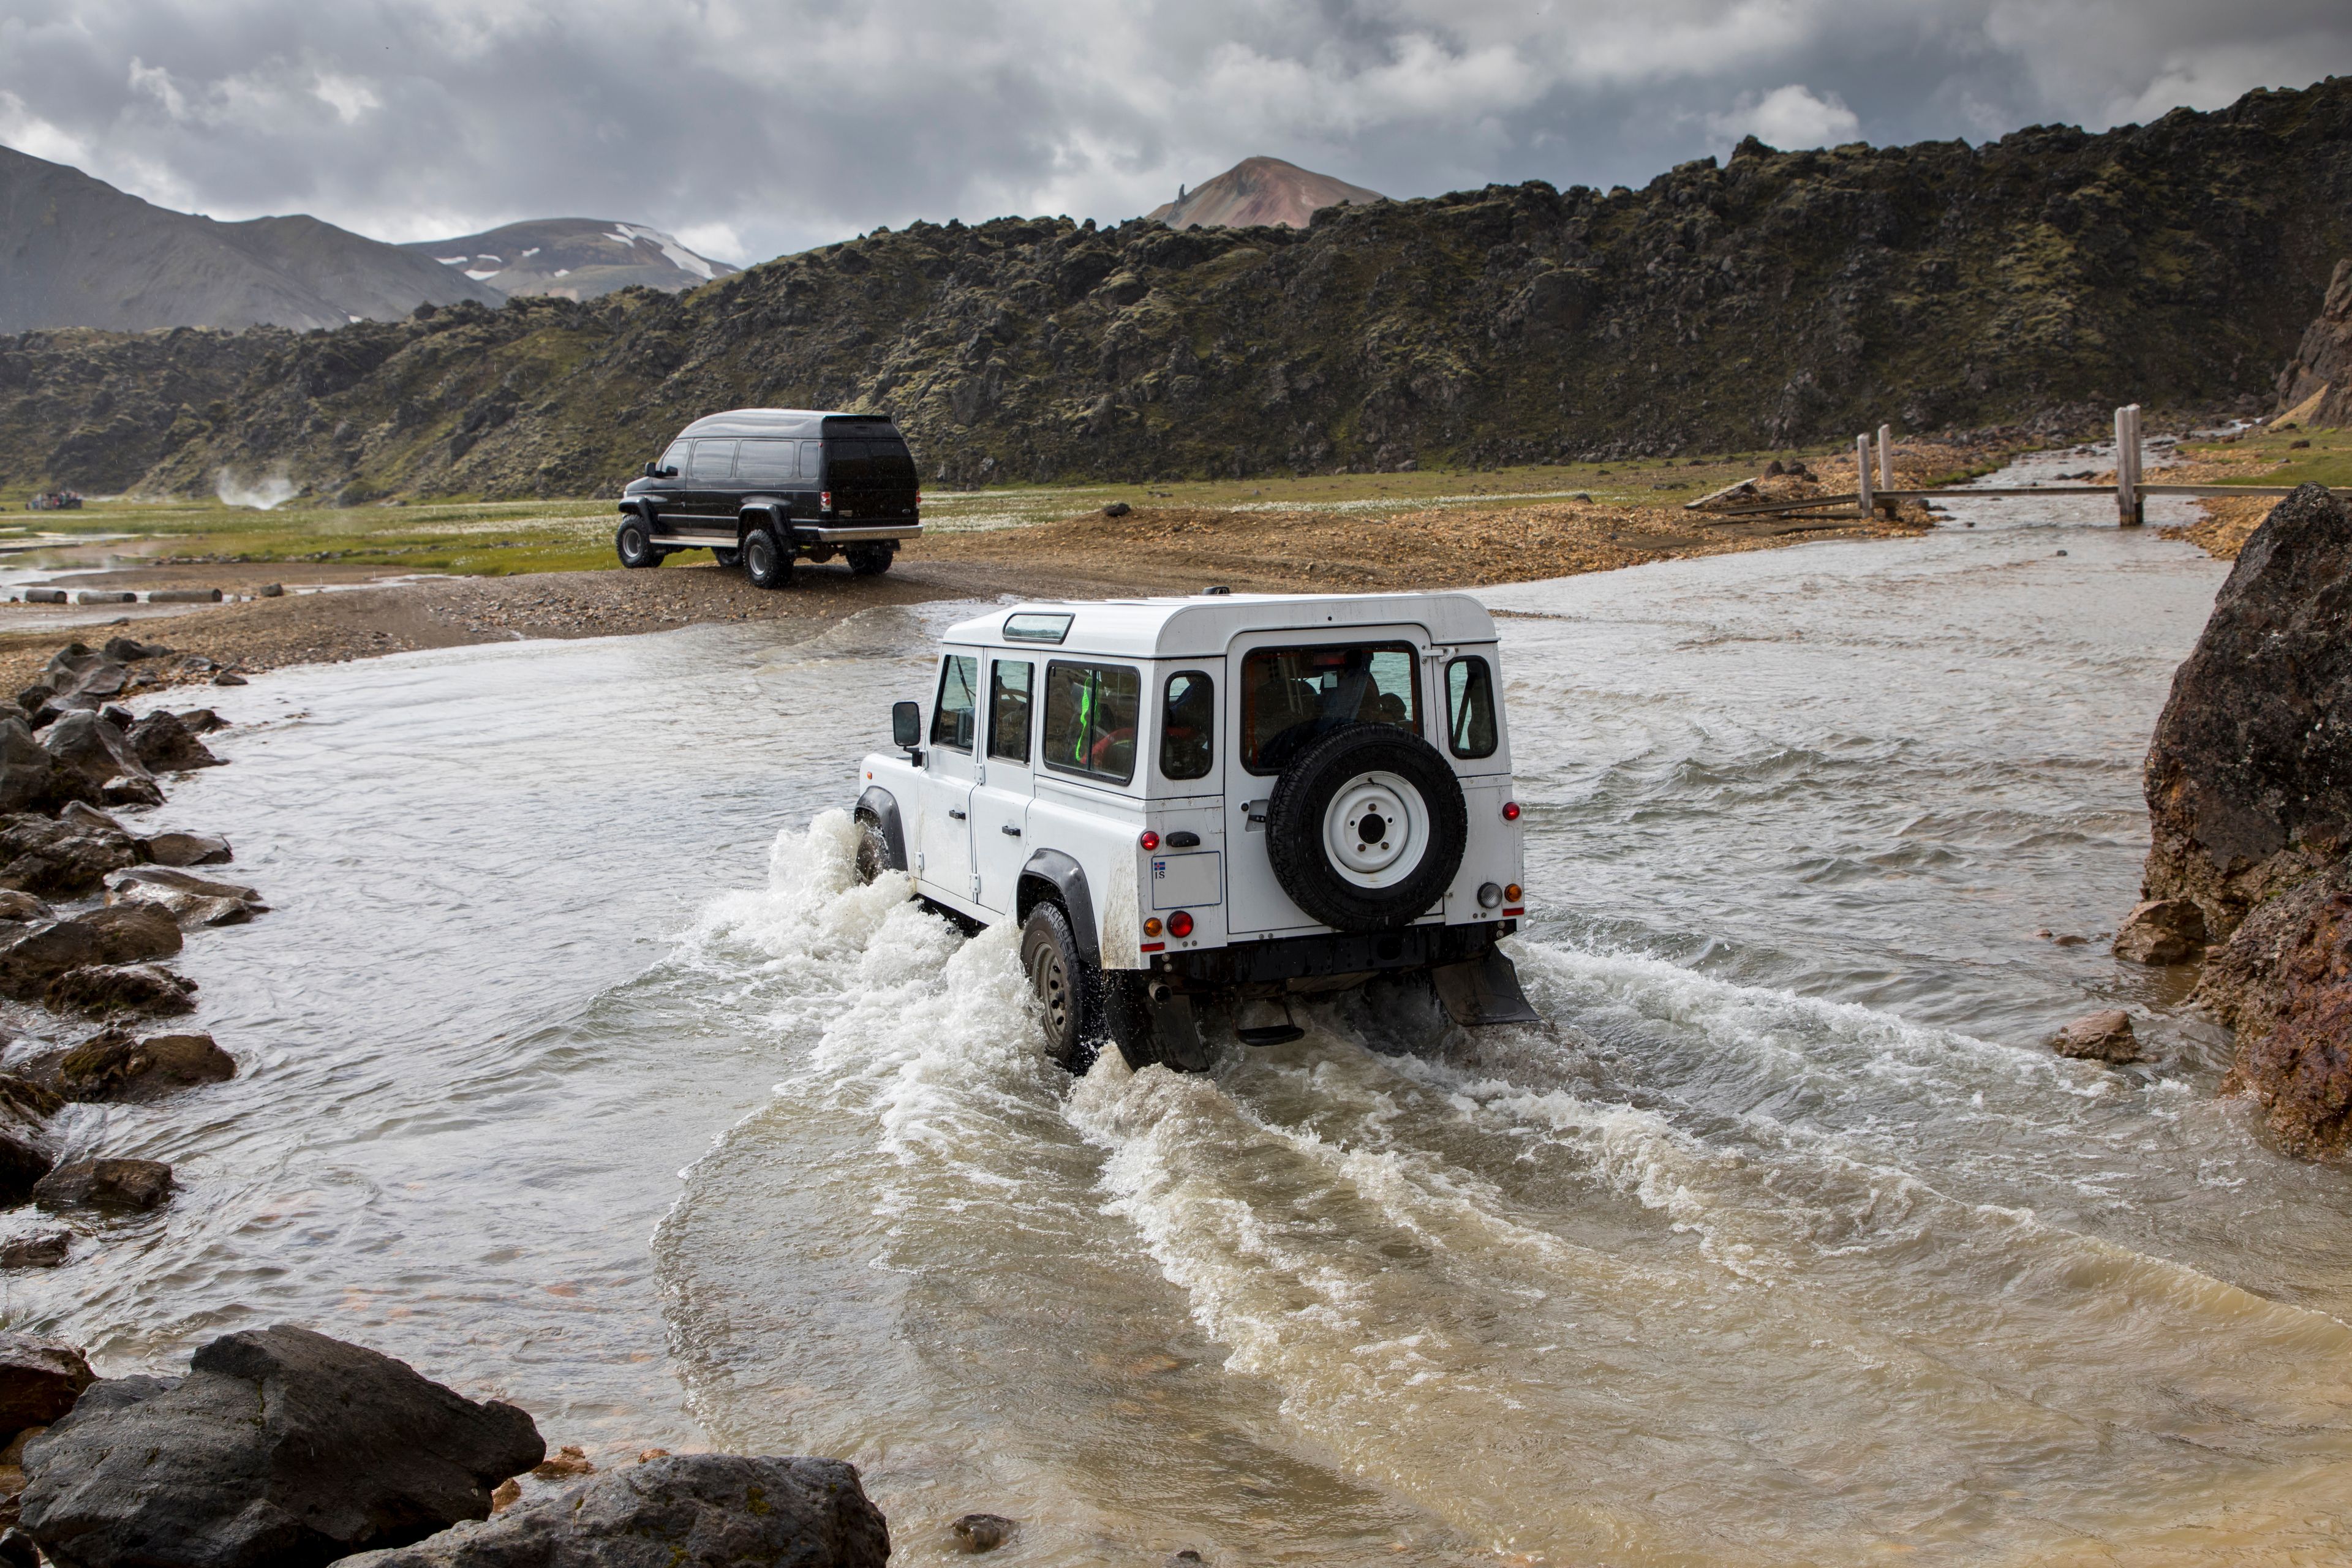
{"x": 853, "y": 463}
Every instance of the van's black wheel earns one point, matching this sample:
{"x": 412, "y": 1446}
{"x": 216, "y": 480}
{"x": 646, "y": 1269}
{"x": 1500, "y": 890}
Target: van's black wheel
{"x": 634, "y": 541}
{"x": 869, "y": 560}
{"x": 1070, "y": 988}
{"x": 727, "y": 558}
{"x": 1366, "y": 827}
{"x": 766, "y": 564}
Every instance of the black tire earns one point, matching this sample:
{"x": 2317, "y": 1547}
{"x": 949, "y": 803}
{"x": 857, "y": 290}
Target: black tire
{"x": 1388, "y": 884}
{"x": 869, "y": 560}
{"x": 634, "y": 543}
{"x": 873, "y": 850}
{"x": 766, "y": 564}
{"x": 727, "y": 558}
{"x": 1068, "y": 986}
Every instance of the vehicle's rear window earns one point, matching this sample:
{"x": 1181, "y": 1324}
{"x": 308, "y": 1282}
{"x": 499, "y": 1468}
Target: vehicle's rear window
{"x": 951, "y": 716}
{"x": 764, "y": 462}
{"x": 853, "y": 462}
{"x": 1090, "y": 716}
{"x": 1292, "y": 696}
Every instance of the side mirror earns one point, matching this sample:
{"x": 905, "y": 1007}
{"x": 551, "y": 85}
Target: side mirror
{"x": 907, "y": 725}
{"x": 650, "y": 471}
{"x": 668, "y": 474}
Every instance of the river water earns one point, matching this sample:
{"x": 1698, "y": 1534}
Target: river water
{"x": 1786, "y": 1242}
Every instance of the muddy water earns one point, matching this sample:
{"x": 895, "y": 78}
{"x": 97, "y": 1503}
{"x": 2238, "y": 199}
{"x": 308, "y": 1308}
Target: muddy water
{"x": 1786, "y": 1243}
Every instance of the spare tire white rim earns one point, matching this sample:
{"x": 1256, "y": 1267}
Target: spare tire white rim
{"x": 1376, "y": 830}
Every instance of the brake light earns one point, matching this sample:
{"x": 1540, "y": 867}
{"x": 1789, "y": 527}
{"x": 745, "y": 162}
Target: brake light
{"x": 1510, "y": 811}
{"x": 825, "y": 499}
{"x": 1180, "y": 924}
{"x": 1150, "y": 840}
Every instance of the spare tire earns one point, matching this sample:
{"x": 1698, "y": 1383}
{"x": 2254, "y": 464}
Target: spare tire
{"x": 1366, "y": 829}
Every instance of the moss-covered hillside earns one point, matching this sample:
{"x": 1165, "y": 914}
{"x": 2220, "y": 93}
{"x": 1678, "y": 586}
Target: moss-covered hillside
{"x": 1780, "y": 298}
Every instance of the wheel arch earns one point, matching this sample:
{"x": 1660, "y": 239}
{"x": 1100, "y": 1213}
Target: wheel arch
{"x": 883, "y": 806}
{"x": 766, "y": 514}
{"x": 1051, "y": 874}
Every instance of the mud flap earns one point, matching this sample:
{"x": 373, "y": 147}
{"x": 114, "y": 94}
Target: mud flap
{"x": 1149, "y": 1029}
{"x": 1484, "y": 990}
{"x": 1177, "y": 1034}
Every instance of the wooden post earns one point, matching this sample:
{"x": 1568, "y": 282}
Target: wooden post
{"x": 1862, "y": 473}
{"x": 2126, "y": 503}
{"x": 1886, "y": 458}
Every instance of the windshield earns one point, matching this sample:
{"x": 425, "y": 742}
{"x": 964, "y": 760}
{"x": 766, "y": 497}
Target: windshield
{"x": 858, "y": 463}
{"x": 1294, "y": 696}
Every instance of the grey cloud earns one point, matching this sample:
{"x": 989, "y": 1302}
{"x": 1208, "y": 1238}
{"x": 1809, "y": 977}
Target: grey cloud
{"x": 764, "y": 128}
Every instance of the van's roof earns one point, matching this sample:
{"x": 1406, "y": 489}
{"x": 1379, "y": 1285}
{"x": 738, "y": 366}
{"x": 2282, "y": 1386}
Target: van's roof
{"x": 1204, "y": 624}
{"x": 776, "y": 422}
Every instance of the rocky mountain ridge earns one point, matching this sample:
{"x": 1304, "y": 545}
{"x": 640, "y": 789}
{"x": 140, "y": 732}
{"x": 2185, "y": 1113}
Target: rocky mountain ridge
{"x": 74, "y": 252}
{"x": 1779, "y": 299}
{"x": 573, "y": 258}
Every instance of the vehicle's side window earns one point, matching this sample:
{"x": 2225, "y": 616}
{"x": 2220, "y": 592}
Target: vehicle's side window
{"x": 766, "y": 462}
{"x": 675, "y": 457}
{"x": 1008, "y": 711}
{"x": 1470, "y": 707}
{"x": 714, "y": 462}
{"x": 959, "y": 703}
{"x": 1188, "y": 726}
{"x": 1090, "y": 716}
{"x": 812, "y": 460}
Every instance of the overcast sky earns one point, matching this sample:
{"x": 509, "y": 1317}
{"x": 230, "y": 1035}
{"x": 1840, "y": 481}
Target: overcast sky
{"x": 752, "y": 129}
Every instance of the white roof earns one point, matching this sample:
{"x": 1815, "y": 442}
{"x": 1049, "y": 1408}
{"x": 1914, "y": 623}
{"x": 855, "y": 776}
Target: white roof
{"x": 1204, "y": 624}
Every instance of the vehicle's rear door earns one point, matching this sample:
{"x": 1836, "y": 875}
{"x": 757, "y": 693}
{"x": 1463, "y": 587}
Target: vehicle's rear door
{"x": 1007, "y": 782}
{"x": 1284, "y": 689}
{"x": 869, "y": 473}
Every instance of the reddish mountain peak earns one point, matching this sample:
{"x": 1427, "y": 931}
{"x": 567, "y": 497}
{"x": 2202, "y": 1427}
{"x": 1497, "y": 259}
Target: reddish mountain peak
{"x": 1256, "y": 190}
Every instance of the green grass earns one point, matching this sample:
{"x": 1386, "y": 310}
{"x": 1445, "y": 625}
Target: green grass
{"x": 2327, "y": 459}
{"x": 501, "y": 538}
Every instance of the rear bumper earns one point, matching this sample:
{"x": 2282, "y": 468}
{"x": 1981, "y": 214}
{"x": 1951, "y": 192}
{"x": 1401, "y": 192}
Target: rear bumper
{"x": 823, "y": 534}
{"x": 1279, "y": 959}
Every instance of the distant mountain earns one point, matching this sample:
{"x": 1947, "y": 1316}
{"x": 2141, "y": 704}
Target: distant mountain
{"x": 1259, "y": 191}
{"x": 76, "y": 252}
{"x": 573, "y": 258}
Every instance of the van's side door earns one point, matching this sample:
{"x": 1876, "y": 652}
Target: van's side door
{"x": 710, "y": 485}
{"x": 943, "y": 839}
{"x": 1007, "y": 782}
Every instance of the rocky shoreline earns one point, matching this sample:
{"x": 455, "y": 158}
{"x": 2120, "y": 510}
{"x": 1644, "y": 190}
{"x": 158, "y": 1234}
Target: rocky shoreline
{"x": 2249, "y": 786}
{"x": 280, "y": 1447}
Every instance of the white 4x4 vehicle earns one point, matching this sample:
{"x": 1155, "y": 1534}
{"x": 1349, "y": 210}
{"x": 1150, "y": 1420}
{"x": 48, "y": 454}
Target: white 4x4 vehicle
{"x": 1235, "y": 798}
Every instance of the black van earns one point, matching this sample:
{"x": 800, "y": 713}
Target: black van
{"x": 767, "y": 486}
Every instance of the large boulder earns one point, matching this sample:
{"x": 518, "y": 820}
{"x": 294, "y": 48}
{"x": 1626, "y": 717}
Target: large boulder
{"x": 191, "y": 900}
{"x": 39, "y": 1381}
{"x": 80, "y": 679}
{"x": 127, "y": 1186}
{"x": 2249, "y": 776}
{"x": 114, "y": 1066}
{"x": 188, "y": 849}
{"x": 165, "y": 744}
{"x": 31, "y": 777}
{"x": 63, "y": 857}
{"x": 117, "y": 934}
{"x": 697, "y": 1511}
{"x": 95, "y": 748}
{"x": 108, "y": 990}
{"x": 281, "y": 1448}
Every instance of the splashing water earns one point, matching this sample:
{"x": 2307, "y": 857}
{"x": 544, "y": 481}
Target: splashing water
{"x": 268, "y": 493}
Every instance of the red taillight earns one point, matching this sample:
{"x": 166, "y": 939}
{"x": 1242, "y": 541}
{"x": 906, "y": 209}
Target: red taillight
{"x": 825, "y": 499}
{"x": 1510, "y": 811}
{"x": 1150, "y": 840}
{"x": 1180, "y": 924}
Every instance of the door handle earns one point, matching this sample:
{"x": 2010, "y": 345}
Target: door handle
{"x": 954, "y": 815}
{"x": 1010, "y": 831}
